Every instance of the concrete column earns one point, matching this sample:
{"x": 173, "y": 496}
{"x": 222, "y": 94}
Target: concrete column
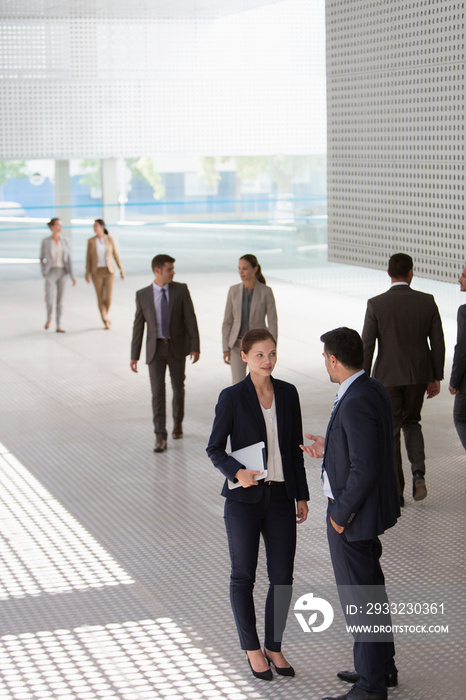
{"x": 63, "y": 194}
{"x": 110, "y": 206}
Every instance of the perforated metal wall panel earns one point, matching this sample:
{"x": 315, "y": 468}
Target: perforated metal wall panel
{"x": 395, "y": 91}
{"x": 104, "y": 86}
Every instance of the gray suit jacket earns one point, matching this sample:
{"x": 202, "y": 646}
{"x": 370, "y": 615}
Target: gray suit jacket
{"x": 184, "y": 333}
{"x": 262, "y": 305}
{"x": 411, "y": 348}
{"x": 46, "y": 256}
{"x": 458, "y": 370}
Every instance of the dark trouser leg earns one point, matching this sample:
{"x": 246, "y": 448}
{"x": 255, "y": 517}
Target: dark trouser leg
{"x": 279, "y": 533}
{"x": 459, "y": 417}
{"x": 243, "y": 523}
{"x": 274, "y": 516}
{"x": 411, "y": 425}
{"x": 407, "y": 404}
{"x": 177, "y": 377}
{"x": 396, "y": 397}
{"x": 157, "y": 370}
{"x": 357, "y": 564}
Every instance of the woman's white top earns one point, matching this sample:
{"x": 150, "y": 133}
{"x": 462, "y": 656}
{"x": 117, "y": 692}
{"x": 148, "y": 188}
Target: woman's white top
{"x": 101, "y": 252}
{"x": 274, "y": 458}
{"x": 58, "y": 254}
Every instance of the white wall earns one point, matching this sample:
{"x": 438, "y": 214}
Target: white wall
{"x": 396, "y": 114}
{"x": 249, "y": 83}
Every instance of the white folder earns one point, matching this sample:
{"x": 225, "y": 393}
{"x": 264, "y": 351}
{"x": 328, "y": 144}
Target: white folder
{"x": 251, "y": 457}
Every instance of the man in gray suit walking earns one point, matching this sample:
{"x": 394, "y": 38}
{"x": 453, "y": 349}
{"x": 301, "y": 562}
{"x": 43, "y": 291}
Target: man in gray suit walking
{"x": 172, "y": 333}
{"x": 410, "y": 360}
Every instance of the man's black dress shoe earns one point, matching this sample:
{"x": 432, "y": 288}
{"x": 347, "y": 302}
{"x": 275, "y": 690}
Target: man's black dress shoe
{"x": 419, "y": 486}
{"x": 281, "y": 670}
{"x": 177, "y": 431}
{"x": 160, "y": 445}
{"x": 391, "y": 679}
{"x": 358, "y": 694}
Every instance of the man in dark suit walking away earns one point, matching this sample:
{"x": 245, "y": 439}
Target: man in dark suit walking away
{"x": 458, "y": 371}
{"x": 172, "y": 333}
{"x": 359, "y": 481}
{"x": 410, "y": 360}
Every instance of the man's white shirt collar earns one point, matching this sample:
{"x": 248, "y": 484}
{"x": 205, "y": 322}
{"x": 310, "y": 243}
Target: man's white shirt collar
{"x": 344, "y": 386}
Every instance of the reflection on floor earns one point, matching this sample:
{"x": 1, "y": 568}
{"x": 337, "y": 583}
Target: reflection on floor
{"x": 114, "y": 578}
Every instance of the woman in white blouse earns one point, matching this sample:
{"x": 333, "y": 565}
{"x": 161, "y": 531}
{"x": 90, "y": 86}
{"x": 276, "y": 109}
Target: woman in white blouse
{"x": 261, "y": 409}
{"x": 248, "y": 305}
{"x": 101, "y": 250}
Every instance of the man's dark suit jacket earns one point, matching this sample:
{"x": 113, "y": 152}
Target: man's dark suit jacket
{"x": 458, "y": 370}
{"x": 358, "y": 460}
{"x": 238, "y": 415}
{"x": 402, "y": 320}
{"x": 184, "y": 333}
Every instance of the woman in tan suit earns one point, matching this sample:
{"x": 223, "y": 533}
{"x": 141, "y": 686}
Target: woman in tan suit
{"x": 248, "y": 305}
{"x": 101, "y": 250}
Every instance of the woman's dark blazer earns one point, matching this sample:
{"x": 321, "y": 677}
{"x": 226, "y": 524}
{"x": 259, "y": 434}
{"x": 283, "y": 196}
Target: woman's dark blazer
{"x": 238, "y": 415}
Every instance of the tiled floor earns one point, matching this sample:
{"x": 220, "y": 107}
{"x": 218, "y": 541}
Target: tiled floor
{"x": 114, "y": 578}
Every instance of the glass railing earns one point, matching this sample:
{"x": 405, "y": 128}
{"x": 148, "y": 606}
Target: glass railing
{"x": 280, "y": 232}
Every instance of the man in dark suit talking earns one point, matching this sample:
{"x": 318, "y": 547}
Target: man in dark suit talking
{"x": 458, "y": 371}
{"x": 359, "y": 481}
{"x": 172, "y": 333}
{"x": 410, "y": 359}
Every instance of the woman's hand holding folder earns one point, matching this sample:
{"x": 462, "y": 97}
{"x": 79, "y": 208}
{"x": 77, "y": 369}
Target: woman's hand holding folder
{"x": 246, "y": 477}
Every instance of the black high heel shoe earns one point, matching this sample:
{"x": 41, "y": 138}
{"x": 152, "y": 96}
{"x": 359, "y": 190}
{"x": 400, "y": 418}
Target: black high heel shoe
{"x": 263, "y": 675}
{"x": 281, "y": 670}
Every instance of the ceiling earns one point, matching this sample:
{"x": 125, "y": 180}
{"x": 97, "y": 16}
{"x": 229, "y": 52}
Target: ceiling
{"x": 151, "y": 9}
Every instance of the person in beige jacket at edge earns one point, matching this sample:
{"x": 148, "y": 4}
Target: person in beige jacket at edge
{"x": 101, "y": 250}
{"x": 248, "y": 305}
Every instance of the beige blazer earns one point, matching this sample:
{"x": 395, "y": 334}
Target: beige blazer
{"x": 111, "y": 252}
{"x": 262, "y": 305}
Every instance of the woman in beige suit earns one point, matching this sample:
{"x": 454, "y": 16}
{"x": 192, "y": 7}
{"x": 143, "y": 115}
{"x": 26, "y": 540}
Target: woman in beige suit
{"x": 248, "y": 305}
{"x": 101, "y": 250}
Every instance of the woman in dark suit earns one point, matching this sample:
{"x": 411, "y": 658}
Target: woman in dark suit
{"x": 261, "y": 408}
